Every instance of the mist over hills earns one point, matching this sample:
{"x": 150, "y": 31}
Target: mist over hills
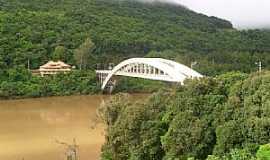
{"x": 123, "y": 29}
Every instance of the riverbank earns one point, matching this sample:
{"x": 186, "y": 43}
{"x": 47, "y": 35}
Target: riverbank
{"x": 21, "y": 84}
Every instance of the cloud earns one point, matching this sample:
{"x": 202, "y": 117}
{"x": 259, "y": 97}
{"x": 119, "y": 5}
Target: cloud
{"x": 242, "y": 13}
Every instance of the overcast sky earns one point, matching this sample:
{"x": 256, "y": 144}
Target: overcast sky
{"x": 242, "y": 13}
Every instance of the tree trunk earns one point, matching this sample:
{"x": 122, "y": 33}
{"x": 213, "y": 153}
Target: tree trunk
{"x": 81, "y": 62}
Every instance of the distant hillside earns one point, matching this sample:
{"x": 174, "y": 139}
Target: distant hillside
{"x": 121, "y": 29}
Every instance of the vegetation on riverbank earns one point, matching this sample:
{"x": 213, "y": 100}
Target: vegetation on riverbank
{"x": 139, "y": 85}
{"x": 20, "y": 83}
{"x": 227, "y": 117}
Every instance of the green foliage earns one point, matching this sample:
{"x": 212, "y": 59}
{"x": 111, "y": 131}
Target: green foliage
{"x": 235, "y": 154}
{"x": 264, "y": 152}
{"x": 134, "y": 130}
{"x": 243, "y": 154}
{"x": 185, "y": 136}
{"x": 83, "y": 55}
{"x": 59, "y": 53}
{"x": 226, "y": 117}
{"x": 20, "y": 83}
{"x": 138, "y": 85}
{"x": 42, "y": 30}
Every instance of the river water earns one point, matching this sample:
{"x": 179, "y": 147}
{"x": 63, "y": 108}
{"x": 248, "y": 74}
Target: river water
{"x": 31, "y": 129}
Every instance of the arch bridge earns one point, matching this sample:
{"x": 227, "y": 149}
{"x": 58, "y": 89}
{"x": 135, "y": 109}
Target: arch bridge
{"x": 148, "y": 68}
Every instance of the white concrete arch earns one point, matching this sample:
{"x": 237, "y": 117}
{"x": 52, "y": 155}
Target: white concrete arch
{"x": 151, "y": 68}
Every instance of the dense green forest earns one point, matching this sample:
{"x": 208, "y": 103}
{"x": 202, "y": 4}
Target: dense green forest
{"x": 108, "y": 31}
{"x": 20, "y": 83}
{"x": 34, "y": 30}
{"x": 221, "y": 118}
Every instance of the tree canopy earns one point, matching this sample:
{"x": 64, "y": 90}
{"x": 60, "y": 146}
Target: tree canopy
{"x": 226, "y": 116}
{"x": 34, "y": 30}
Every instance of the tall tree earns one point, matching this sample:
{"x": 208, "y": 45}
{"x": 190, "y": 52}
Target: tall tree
{"x": 59, "y": 53}
{"x": 83, "y": 53}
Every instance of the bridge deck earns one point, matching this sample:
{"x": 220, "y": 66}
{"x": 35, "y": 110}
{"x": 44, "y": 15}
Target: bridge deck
{"x": 103, "y": 71}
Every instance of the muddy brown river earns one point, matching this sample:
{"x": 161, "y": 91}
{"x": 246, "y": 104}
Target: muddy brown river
{"x": 33, "y": 129}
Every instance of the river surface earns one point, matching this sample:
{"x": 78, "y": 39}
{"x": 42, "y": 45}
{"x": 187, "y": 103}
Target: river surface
{"x": 32, "y": 129}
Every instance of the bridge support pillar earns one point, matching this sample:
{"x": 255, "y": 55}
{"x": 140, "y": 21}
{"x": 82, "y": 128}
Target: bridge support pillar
{"x": 101, "y": 77}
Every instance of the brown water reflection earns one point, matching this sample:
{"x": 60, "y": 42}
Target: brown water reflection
{"x": 29, "y": 128}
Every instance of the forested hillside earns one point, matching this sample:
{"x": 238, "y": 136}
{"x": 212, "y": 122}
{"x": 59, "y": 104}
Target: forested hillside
{"x": 35, "y": 30}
